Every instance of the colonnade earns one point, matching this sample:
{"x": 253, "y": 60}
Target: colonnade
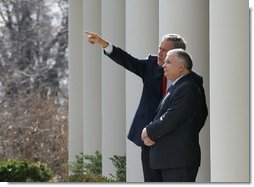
{"x": 103, "y": 97}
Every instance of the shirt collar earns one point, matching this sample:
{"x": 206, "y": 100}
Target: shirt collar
{"x": 173, "y": 83}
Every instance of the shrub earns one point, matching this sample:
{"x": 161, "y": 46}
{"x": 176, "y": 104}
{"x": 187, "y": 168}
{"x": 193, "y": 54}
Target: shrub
{"x": 87, "y": 164}
{"x": 120, "y": 163}
{"x": 86, "y": 178}
{"x": 22, "y": 171}
{"x": 88, "y": 168}
{"x": 39, "y": 172}
{"x": 77, "y": 167}
{"x": 93, "y": 164}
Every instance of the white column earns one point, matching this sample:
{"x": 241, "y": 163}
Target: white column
{"x": 190, "y": 19}
{"x": 113, "y": 86}
{"x": 92, "y": 79}
{"x": 141, "y": 39}
{"x": 75, "y": 78}
{"x": 229, "y": 85}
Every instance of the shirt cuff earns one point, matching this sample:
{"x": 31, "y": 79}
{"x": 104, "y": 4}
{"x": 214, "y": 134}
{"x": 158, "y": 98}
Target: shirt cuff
{"x": 109, "y": 48}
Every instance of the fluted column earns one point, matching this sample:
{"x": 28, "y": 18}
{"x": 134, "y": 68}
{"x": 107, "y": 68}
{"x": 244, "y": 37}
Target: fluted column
{"x": 141, "y": 39}
{"x": 229, "y": 85}
{"x": 190, "y": 19}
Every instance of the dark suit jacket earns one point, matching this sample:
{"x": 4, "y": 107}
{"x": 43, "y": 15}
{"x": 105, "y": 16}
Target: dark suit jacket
{"x": 151, "y": 75}
{"x": 176, "y": 125}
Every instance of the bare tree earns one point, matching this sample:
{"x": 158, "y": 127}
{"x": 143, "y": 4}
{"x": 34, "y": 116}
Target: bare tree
{"x": 34, "y": 80}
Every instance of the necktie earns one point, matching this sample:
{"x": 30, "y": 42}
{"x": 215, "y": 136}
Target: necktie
{"x": 164, "y": 85}
{"x": 169, "y": 88}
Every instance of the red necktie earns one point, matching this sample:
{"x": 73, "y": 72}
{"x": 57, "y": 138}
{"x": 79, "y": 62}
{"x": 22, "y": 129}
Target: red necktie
{"x": 164, "y": 85}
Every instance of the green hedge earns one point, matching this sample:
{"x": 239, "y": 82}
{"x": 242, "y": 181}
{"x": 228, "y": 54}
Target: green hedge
{"x": 22, "y": 171}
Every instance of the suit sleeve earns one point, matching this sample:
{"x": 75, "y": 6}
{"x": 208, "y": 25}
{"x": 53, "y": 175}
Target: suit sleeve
{"x": 171, "y": 116}
{"x": 129, "y": 62}
{"x": 204, "y": 113}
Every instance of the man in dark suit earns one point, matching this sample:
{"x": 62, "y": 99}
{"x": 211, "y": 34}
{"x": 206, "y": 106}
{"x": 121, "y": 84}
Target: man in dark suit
{"x": 151, "y": 72}
{"x": 173, "y": 134}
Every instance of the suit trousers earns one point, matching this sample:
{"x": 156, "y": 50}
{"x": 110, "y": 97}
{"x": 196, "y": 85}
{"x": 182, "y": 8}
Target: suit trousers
{"x": 150, "y": 175}
{"x": 187, "y": 174}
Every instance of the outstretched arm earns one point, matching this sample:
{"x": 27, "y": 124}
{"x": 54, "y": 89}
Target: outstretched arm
{"x": 94, "y": 38}
{"x": 121, "y": 57}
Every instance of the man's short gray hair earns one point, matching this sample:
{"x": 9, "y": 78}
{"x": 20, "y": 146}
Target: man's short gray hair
{"x": 184, "y": 56}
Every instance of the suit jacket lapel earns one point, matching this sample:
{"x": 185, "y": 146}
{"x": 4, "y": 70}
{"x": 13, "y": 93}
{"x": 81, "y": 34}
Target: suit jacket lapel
{"x": 173, "y": 87}
{"x": 164, "y": 99}
{"x": 158, "y": 73}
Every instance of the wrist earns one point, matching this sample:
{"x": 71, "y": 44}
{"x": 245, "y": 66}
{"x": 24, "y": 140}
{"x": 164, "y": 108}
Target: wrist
{"x": 104, "y": 44}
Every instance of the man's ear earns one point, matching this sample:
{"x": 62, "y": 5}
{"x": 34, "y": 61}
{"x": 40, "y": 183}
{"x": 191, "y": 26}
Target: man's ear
{"x": 181, "y": 67}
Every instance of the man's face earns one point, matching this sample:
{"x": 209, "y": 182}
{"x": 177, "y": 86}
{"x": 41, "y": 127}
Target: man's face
{"x": 172, "y": 68}
{"x": 164, "y": 47}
